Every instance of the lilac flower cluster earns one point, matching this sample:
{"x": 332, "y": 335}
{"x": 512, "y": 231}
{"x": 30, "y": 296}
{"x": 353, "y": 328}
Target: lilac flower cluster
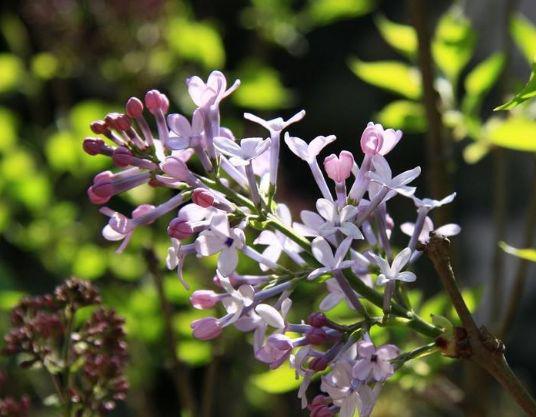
{"x": 86, "y": 363}
{"x": 225, "y": 193}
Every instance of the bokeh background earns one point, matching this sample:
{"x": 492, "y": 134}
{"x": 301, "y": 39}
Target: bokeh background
{"x": 65, "y": 63}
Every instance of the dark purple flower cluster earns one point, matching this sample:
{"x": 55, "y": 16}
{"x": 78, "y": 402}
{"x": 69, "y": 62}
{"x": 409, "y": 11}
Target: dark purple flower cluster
{"x": 43, "y": 329}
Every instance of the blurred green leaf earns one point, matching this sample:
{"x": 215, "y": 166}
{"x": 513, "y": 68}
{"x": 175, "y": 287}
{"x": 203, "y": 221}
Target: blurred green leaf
{"x": 528, "y": 92}
{"x": 11, "y": 72}
{"x": 528, "y": 254}
{"x": 197, "y": 42}
{"x": 323, "y": 12}
{"x": 524, "y": 35}
{"x": 62, "y": 151}
{"x": 35, "y": 192}
{"x": 401, "y": 37}
{"x": 45, "y": 65}
{"x": 90, "y": 262}
{"x": 393, "y": 76}
{"x": 85, "y": 112}
{"x": 8, "y": 129}
{"x": 277, "y": 381}
{"x": 17, "y": 164}
{"x": 480, "y": 80}
{"x": 405, "y": 115}
{"x": 453, "y": 43}
{"x": 194, "y": 352}
{"x": 9, "y": 299}
{"x": 516, "y": 133}
{"x": 261, "y": 88}
{"x": 475, "y": 151}
{"x": 127, "y": 266}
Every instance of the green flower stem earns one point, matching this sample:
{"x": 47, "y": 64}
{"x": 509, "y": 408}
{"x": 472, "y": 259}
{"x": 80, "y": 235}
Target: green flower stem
{"x": 414, "y": 354}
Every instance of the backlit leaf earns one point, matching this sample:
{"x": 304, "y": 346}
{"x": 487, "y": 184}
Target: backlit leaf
{"x": 480, "y": 80}
{"x": 528, "y": 254}
{"x": 393, "y": 76}
{"x": 403, "y": 114}
{"x": 401, "y": 37}
{"x": 514, "y": 133}
{"x": 524, "y": 35}
{"x": 453, "y": 43}
{"x": 527, "y": 92}
{"x": 277, "y": 381}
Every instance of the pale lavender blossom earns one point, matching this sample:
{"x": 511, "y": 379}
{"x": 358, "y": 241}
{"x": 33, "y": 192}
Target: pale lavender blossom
{"x": 331, "y": 262}
{"x": 374, "y": 363}
{"x": 394, "y": 271}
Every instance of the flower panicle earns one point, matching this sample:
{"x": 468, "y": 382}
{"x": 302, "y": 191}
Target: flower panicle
{"x": 224, "y": 189}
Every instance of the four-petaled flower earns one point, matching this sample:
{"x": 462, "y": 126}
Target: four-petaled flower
{"x": 374, "y": 363}
{"x": 394, "y": 271}
{"x": 220, "y": 238}
{"x": 446, "y": 230}
{"x": 242, "y": 154}
{"x": 324, "y": 254}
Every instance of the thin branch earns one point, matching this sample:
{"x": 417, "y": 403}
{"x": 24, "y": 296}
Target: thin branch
{"x": 180, "y": 372}
{"x": 521, "y": 274}
{"x": 485, "y": 350}
{"x": 436, "y": 158}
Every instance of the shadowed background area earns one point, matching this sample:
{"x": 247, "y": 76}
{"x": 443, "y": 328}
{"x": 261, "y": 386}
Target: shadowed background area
{"x": 66, "y": 63}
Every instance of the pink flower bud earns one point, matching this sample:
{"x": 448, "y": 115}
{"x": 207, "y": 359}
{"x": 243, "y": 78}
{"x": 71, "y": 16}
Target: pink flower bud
{"x": 103, "y": 189}
{"x": 142, "y": 210}
{"x": 176, "y": 168}
{"x": 203, "y": 197}
{"x": 317, "y": 319}
{"x": 179, "y": 229}
{"x": 134, "y": 107}
{"x": 316, "y": 336}
{"x": 95, "y": 198}
{"x": 339, "y": 169}
{"x": 122, "y": 122}
{"x": 372, "y": 139}
{"x": 99, "y": 127}
{"x": 321, "y": 411}
{"x": 202, "y": 299}
{"x": 155, "y": 101}
{"x": 122, "y": 157}
{"x": 206, "y": 329}
{"x": 93, "y": 146}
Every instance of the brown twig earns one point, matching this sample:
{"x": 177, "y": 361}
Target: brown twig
{"x": 436, "y": 159}
{"x": 485, "y": 350}
{"x": 180, "y": 372}
{"x": 521, "y": 273}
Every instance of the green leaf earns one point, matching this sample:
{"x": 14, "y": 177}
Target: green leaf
{"x": 261, "y": 89}
{"x": 45, "y": 65}
{"x": 393, "y": 76}
{"x": 528, "y": 92}
{"x": 401, "y": 37}
{"x": 528, "y": 254}
{"x": 475, "y": 151}
{"x": 480, "y": 80}
{"x": 515, "y": 133}
{"x": 524, "y": 35}
{"x": 196, "y": 41}
{"x": 323, "y": 12}
{"x": 277, "y": 381}
{"x": 11, "y": 72}
{"x": 405, "y": 115}
{"x": 453, "y": 43}
{"x": 8, "y": 129}
{"x": 9, "y": 299}
{"x": 90, "y": 262}
{"x": 194, "y": 352}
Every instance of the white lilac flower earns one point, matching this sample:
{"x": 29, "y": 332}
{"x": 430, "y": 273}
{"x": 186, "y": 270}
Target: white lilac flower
{"x": 176, "y": 254}
{"x": 212, "y": 92}
{"x": 277, "y": 242}
{"x": 241, "y": 154}
{"x": 335, "y": 296}
{"x": 237, "y": 299}
{"x": 220, "y": 238}
{"x": 329, "y": 220}
{"x": 331, "y": 262}
{"x": 369, "y": 397}
{"x": 275, "y": 127}
{"x": 424, "y": 206}
{"x": 339, "y": 386}
{"x": 374, "y": 363}
{"x": 446, "y": 230}
{"x": 186, "y": 135}
{"x": 383, "y": 175}
{"x": 394, "y": 271}
{"x": 309, "y": 153}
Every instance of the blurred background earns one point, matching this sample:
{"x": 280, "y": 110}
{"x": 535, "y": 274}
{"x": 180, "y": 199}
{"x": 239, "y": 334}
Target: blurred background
{"x": 65, "y": 63}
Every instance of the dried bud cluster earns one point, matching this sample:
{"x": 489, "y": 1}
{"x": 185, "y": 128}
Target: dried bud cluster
{"x": 42, "y": 325}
